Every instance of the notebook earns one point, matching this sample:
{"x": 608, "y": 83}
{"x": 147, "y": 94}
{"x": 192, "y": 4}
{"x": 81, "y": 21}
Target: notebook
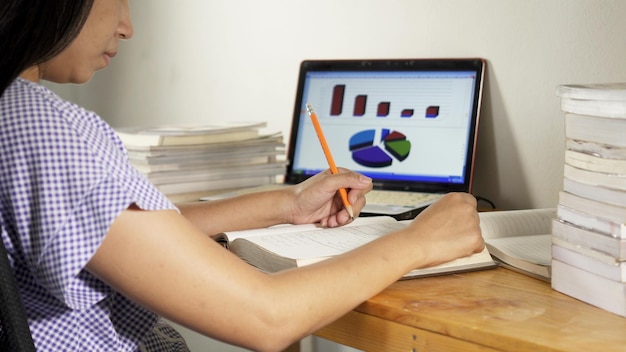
{"x": 409, "y": 124}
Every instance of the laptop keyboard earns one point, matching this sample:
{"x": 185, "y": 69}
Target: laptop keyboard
{"x": 379, "y": 197}
{"x": 399, "y": 198}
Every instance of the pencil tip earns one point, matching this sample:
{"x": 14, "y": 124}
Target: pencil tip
{"x": 350, "y": 212}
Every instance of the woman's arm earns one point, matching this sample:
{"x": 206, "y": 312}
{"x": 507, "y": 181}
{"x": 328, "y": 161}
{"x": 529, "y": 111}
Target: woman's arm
{"x": 163, "y": 262}
{"x": 314, "y": 200}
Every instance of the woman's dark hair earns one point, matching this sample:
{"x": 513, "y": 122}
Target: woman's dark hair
{"x": 34, "y": 31}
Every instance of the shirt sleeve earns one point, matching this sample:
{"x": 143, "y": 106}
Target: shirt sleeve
{"x": 70, "y": 179}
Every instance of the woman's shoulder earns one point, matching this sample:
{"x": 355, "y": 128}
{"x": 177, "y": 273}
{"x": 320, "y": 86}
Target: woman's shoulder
{"x": 29, "y": 100}
{"x": 32, "y": 111}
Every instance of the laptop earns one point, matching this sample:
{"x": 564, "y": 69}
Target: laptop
{"x": 409, "y": 124}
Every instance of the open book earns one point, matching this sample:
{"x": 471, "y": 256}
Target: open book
{"x": 287, "y": 246}
{"x": 520, "y": 239}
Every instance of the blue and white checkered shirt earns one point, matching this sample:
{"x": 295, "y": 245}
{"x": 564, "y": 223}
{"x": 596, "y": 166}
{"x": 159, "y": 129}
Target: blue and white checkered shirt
{"x": 64, "y": 178}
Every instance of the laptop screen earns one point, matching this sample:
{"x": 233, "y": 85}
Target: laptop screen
{"x": 408, "y": 124}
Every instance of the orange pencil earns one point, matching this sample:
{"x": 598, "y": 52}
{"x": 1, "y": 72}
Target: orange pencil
{"x": 329, "y": 157}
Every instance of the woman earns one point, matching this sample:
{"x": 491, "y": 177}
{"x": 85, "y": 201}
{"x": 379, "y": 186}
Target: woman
{"x": 100, "y": 254}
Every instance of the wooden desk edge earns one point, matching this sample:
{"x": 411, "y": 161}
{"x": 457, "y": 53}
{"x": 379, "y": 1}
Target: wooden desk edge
{"x": 377, "y": 334}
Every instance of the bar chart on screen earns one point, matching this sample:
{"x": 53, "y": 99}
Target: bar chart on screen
{"x": 359, "y": 106}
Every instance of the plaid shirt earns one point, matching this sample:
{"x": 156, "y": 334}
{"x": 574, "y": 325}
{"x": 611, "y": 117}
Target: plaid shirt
{"x": 64, "y": 178}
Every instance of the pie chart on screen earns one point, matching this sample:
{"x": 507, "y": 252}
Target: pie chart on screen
{"x": 379, "y": 148}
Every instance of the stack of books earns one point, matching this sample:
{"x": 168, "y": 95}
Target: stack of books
{"x": 187, "y": 162}
{"x": 589, "y": 234}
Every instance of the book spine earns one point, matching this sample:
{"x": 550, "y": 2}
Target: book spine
{"x": 592, "y": 240}
{"x": 599, "y": 194}
{"x": 590, "y": 222}
{"x": 597, "y": 179}
{"x": 596, "y": 129}
{"x": 596, "y": 263}
{"x": 596, "y": 290}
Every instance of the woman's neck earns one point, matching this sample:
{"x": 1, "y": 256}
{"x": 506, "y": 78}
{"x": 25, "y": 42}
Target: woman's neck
{"x": 32, "y": 74}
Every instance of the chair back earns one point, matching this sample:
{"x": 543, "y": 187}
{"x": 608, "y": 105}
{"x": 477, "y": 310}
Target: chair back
{"x": 15, "y": 335}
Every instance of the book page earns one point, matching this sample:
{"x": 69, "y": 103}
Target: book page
{"x": 510, "y": 223}
{"x": 536, "y": 249}
{"x": 290, "y": 229}
{"x": 322, "y": 242}
{"x": 471, "y": 262}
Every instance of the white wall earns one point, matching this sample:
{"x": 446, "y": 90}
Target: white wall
{"x": 193, "y": 60}
{"x": 199, "y": 60}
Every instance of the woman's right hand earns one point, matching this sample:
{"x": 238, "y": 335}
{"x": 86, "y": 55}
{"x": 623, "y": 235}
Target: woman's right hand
{"x": 448, "y": 229}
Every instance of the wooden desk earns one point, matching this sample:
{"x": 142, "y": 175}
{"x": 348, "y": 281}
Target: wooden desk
{"x": 492, "y": 310}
